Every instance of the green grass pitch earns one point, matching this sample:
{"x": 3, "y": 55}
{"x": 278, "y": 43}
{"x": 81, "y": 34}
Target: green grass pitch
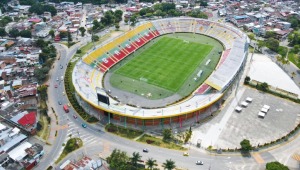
{"x": 166, "y": 66}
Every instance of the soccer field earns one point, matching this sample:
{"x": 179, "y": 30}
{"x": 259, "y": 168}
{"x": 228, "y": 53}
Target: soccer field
{"x": 164, "y": 66}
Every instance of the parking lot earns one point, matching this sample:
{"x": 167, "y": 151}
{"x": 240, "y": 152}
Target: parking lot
{"x": 281, "y": 118}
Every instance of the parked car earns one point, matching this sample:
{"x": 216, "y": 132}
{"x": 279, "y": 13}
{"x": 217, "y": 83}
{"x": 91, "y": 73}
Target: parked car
{"x": 186, "y": 154}
{"x": 199, "y": 163}
{"x": 145, "y": 150}
{"x": 83, "y": 125}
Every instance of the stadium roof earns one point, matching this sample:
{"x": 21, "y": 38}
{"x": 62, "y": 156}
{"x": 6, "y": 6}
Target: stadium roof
{"x": 224, "y": 74}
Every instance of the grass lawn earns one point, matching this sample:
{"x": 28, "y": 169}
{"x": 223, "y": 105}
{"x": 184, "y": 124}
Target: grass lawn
{"x": 294, "y": 59}
{"x": 123, "y": 132}
{"x": 159, "y": 142}
{"x": 167, "y": 65}
{"x": 72, "y": 145}
{"x": 44, "y": 132}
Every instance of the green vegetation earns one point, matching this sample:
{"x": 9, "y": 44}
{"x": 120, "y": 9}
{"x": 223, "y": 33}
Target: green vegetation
{"x": 69, "y": 87}
{"x": 5, "y": 20}
{"x": 169, "y": 165}
{"x": 276, "y": 166}
{"x": 295, "y": 22}
{"x": 119, "y": 160}
{"x": 159, "y": 142}
{"x": 47, "y": 58}
{"x": 167, "y": 65}
{"x": 109, "y": 18}
{"x": 72, "y": 145}
{"x": 39, "y": 9}
{"x": 294, "y": 58}
{"x": 124, "y": 132}
{"x": 44, "y": 131}
{"x": 245, "y": 145}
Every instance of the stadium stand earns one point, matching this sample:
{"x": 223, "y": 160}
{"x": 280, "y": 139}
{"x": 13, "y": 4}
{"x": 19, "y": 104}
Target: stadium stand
{"x": 89, "y": 71}
{"x": 109, "y": 54}
{"x": 202, "y": 89}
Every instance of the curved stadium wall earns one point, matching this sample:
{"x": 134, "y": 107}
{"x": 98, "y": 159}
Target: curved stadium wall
{"x": 88, "y": 72}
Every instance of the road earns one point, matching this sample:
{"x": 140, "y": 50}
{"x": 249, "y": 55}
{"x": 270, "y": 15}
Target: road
{"x": 96, "y": 141}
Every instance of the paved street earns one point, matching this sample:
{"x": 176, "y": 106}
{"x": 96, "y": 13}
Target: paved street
{"x": 101, "y": 143}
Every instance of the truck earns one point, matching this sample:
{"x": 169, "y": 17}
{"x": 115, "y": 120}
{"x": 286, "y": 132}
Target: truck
{"x": 66, "y": 109}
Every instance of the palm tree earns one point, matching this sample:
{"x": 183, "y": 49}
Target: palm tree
{"x": 169, "y": 164}
{"x": 151, "y": 163}
{"x": 135, "y": 158}
{"x": 279, "y": 59}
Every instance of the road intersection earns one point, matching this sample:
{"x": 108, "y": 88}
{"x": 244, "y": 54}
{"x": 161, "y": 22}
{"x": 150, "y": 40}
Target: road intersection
{"x": 99, "y": 143}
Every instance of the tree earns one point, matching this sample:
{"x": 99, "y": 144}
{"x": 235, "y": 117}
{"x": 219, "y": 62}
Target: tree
{"x": 118, "y": 160}
{"x": 245, "y": 145}
{"x": 276, "y": 166}
{"x": 82, "y": 31}
{"x": 52, "y": 33}
{"x": 251, "y": 36}
{"x": 203, "y": 3}
{"x": 41, "y": 73}
{"x": 270, "y": 34}
{"x": 41, "y": 43}
{"x": 95, "y": 38}
{"x": 25, "y": 33}
{"x": 69, "y": 36}
{"x": 96, "y": 25}
{"x": 188, "y": 135}
{"x": 272, "y": 44}
{"x": 295, "y": 22}
{"x": 5, "y": 20}
{"x": 135, "y": 158}
{"x": 14, "y": 33}
{"x": 117, "y": 26}
{"x": 133, "y": 20}
{"x": 169, "y": 164}
{"x": 42, "y": 90}
{"x": 63, "y": 34}
{"x": 118, "y": 16}
{"x": 39, "y": 9}
{"x": 296, "y": 49}
{"x": 167, "y": 134}
{"x": 2, "y": 32}
{"x": 27, "y": 2}
{"x": 151, "y": 163}
{"x": 126, "y": 20}
{"x": 143, "y": 12}
{"x": 261, "y": 44}
{"x": 247, "y": 80}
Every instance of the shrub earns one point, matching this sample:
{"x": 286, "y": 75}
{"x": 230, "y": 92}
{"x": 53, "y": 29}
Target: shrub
{"x": 149, "y": 141}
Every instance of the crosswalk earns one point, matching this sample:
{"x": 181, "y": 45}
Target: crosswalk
{"x": 79, "y": 132}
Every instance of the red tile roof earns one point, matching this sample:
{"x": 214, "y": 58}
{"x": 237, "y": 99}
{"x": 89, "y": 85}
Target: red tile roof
{"x": 28, "y": 119}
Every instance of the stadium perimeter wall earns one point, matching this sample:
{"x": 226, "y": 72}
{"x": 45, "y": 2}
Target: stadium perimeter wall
{"x": 179, "y": 119}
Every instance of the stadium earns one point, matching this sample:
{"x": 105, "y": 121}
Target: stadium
{"x": 171, "y": 71}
